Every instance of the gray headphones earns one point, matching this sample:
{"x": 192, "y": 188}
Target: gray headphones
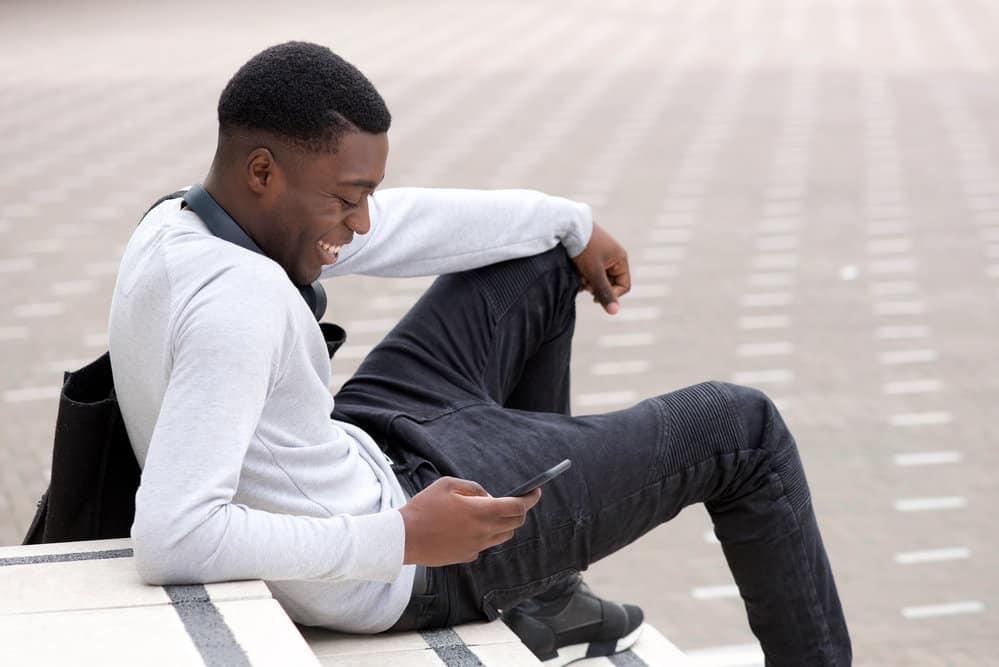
{"x": 223, "y": 226}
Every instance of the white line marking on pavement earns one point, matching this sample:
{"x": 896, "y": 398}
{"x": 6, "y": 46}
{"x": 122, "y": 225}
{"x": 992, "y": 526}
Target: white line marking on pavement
{"x": 949, "y": 609}
{"x": 647, "y": 291}
{"x": 932, "y": 556}
{"x": 606, "y": 398}
{"x": 900, "y": 308}
{"x": 16, "y": 265}
{"x": 715, "y": 592}
{"x": 983, "y": 203}
{"x": 674, "y": 220}
{"x": 61, "y": 365}
{"x": 775, "y": 375}
{"x": 771, "y": 279}
{"x": 911, "y": 387}
{"x": 43, "y": 245}
{"x": 73, "y": 287}
{"x": 782, "y": 209}
{"x": 888, "y": 246}
{"x": 770, "y": 243}
{"x": 13, "y": 333}
{"x": 927, "y": 458}
{"x": 620, "y": 367}
{"x": 45, "y": 309}
{"x": 784, "y": 261}
{"x": 625, "y": 340}
{"x": 674, "y": 235}
{"x": 900, "y": 332}
{"x": 19, "y": 211}
{"x": 763, "y": 322}
{"x": 737, "y": 655}
{"x": 689, "y": 203}
{"x": 764, "y": 299}
{"x": 887, "y": 266}
{"x": 886, "y": 211}
{"x": 31, "y": 394}
{"x": 894, "y": 287}
{"x": 391, "y": 302}
{"x": 896, "y": 357}
{"x": 930, "y": 504}
{"x": 921, "y": 418}
{"x": 664, "y": 253}
{"x": 638, "y": 314}
{"x": 96, "y": 340}
{"x": 354, "y": 351}
{"x": 777, "y": 225}
{"x": 654, "y": 270}
{"x": 783, "y": 192}
{"x": 369, "y": 326}
{"x": 764, "y": 349}
{"x": 107, "y": 268}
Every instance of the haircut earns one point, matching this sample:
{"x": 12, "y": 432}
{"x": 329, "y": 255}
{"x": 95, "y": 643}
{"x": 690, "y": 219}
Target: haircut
{"x": 303, "y": 93}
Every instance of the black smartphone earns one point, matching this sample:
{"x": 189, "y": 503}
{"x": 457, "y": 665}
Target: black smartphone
{"x": 543, "y": 478}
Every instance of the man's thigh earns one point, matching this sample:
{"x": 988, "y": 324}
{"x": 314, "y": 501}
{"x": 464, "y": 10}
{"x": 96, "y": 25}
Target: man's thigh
{"x": 467, "y": 340}
{"x": 632, "y": 470}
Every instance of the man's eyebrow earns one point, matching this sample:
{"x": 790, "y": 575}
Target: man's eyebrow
{"x": 370, "y": 185}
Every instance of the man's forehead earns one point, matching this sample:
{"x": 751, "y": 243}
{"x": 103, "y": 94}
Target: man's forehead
{"x": 359, "y": 161}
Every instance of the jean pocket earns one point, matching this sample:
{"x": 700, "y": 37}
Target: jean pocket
{"x": 498, "y": 599}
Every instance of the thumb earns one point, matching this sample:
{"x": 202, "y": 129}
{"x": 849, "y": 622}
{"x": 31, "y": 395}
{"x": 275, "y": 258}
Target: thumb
{"x": 603, "y": 292}
{"x": 466, "y": 487}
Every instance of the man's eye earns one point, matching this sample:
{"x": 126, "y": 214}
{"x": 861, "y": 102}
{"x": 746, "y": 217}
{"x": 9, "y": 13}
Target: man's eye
{"x": 345, "y": 202}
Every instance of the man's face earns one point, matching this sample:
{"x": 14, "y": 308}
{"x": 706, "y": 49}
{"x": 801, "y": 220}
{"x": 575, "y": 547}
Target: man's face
{"x": 323, "y": 203}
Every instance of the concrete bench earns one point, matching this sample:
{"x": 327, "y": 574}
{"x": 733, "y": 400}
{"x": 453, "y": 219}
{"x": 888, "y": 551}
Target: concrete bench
{"x": 82, "y": 603}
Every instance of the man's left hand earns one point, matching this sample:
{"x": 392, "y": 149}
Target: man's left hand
{"x": 603, "y": 269}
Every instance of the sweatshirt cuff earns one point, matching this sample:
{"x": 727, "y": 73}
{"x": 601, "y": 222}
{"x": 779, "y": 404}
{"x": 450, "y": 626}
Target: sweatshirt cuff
{"x": 381, "y": 542}
{"x": 580, "y": 226}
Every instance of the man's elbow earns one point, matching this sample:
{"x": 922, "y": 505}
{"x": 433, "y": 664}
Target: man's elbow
{"x": 164, "y": 555}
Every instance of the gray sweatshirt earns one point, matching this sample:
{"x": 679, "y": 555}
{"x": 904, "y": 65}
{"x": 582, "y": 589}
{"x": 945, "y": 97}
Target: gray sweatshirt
{"x": 223, "y": 380}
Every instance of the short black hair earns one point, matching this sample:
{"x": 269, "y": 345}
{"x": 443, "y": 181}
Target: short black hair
{"x": 302, "y": 92}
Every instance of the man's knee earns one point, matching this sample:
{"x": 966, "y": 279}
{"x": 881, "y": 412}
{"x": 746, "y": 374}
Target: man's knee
{"x": 756, "y": 411}
{"x": 765, "y": 430}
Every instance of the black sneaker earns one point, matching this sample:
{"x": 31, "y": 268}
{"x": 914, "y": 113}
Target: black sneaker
{"x": 575, "y": 627}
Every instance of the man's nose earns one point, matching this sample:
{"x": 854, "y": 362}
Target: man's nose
{"x": 359, "y": 221}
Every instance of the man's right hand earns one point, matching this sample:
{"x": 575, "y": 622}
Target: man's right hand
{"x": 452, "y": 520}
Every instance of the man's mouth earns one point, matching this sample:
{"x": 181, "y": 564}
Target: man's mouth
{"x": 329, "y": 252}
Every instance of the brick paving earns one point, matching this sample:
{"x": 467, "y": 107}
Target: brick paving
{"x": 809, "y": 192}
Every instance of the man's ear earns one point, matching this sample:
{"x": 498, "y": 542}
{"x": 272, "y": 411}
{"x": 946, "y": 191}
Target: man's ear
{"x": 263, "y": 175}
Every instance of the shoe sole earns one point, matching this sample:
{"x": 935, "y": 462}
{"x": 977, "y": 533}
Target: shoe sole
{"x": 574, "y": 652}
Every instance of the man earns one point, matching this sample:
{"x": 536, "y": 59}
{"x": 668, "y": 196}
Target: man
{"x": 390, "y": 514}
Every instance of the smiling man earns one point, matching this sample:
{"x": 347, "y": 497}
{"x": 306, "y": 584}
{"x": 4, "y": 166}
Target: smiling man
{"x": 383, "y": 509}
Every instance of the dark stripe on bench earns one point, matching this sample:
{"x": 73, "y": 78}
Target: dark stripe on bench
{"x": 206, "y": 627}
{"x": 627, "y": 659}
{"x": 450, "y": 648}
{"x": 66, "y": 558}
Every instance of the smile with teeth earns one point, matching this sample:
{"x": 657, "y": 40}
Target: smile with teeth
{"x": 331, "y": 251}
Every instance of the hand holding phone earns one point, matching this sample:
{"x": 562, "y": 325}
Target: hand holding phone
{"x": 538, "y": 480}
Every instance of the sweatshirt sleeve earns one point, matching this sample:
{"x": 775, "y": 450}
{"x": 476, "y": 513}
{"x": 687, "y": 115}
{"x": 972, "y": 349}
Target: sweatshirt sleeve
{"x": 428, "y": 231}
{"x": 187, "y": 528}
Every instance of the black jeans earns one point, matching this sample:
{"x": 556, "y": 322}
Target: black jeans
{"x": 474, "y": 383}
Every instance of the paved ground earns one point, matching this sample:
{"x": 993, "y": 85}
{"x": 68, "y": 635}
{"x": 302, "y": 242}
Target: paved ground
{"x": 809, "y": 191}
